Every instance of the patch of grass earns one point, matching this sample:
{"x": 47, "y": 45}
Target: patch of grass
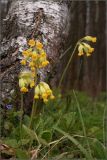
{"x": 71, "y": 126}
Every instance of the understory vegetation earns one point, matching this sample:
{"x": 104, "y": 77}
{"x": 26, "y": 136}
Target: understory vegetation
{"x": 71, "y": 126}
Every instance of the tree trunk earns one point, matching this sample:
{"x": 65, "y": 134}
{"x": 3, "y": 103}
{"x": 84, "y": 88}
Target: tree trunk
{"x": 47, "y": 21}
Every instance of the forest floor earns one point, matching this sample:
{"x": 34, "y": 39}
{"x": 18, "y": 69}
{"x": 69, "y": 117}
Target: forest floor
{"x": 70, "y": 127}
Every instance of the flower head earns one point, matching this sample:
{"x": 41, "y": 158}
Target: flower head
{"x": 80, "y": 50}
{"x": 31, "y": 42}
{"x": 85, "y": 48}
{"x": 23, "y": 62}
{"x": 26, "y": 79}
{"x": 32, "y": 84}
{"x": 90, "y": 38}
{"x": 34, "y": 58}
{"x": 43, "y": 91}
{"x": 25, "y": 53}
{"x": 24, "y": 89}
{"x": 39, "y": 45}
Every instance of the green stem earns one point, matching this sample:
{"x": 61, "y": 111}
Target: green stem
{"x": 32, "y": 113}
{"x": 21, "y": 116}
{"x": 83, "y": 125}
{"x": 33, "y": 107}
{"x": 63, "y": 74}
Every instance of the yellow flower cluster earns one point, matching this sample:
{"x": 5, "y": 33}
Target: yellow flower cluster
{"x": 43, "y": 91}
{"x": 26, "y": 79}
{"x": 85, "y": 48}
{"x": 34, "y": 58}
{"x": 90, "y": 38}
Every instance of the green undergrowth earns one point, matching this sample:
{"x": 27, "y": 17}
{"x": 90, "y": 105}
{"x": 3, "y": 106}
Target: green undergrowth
{"x": 70, "y": 127}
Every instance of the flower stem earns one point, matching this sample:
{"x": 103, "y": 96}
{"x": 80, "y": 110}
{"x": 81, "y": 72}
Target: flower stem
{"x": 63, "y": 74}
{"x": 21, "y": 116}
{"x": 34, "y": 108}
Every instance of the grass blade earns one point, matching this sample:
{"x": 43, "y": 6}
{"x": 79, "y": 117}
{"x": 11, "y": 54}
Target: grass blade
{"x": 73, "y": 140}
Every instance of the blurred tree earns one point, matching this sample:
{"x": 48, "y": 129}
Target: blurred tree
{"x": 89, "y": 74}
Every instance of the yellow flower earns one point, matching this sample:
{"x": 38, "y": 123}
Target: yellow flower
{"x": 44, "y": 95}
{"x": 45, "y": 63}
{"x": 33, "y": 74}
{"x": 91, "y": 50}
{"x": 43, "y": 54}
{"x": 25, "y": 53}
{"x": 26, "y": 78}
{"x": 88, "y": 54}
{"x": 43, "y": 91}
{"x": 37, "y": 92}
{"x": 40, "y": 66}
{"x": 34, "y": 55}
{"x": 45, "y": 100}
{"x": 52, "y": 97}
{"x": 25, "y": 74}
{"x": 32, "y": 84}
{"x": 36, "y": 97}
{"x": 45, "y": 85}
{"x": 24, "y": 89}
{"x": 33, "y": 69}
{"x": 90, "y": 38}
{"x": 80, "y": 53}
{"x": 88, "y": 48}
{"x": 21, "y": 83}
{"x": 31, "y": 64}
{"x": 80, "y": 50}
{"x": 23, "y": 62}
{"x": 87, "y": 45}
{"x": 31, "y": 42}
{"x": 39, "y": 45}
{"x": 49, "y": 92}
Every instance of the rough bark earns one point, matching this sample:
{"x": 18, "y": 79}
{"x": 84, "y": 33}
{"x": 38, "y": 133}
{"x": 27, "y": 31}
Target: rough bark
{"x": 47, "y": 21}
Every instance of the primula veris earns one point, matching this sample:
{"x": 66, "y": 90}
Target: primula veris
{"x": 90, "y": 38}
{"x": 43, "y": 91}
{"x": 31, "y": 42}
{"x": 84, "y": 48}
{"x": 25, "y": 53}
{"x": 23, "y": 62}
{"x": 21, "y": 83}
{"x": 34, "y": 58}
{"x": 39, "y": 45}
{"x": 32, "y": 84}
{"x": 26, "y": 79}
{"x": 80, "y": 50}
{"x": 24, "y": 89}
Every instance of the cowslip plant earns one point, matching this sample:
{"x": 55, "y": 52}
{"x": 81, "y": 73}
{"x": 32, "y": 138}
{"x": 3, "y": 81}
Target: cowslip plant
{"x": 33, "y": 59}
{"x": 83, "y": 49}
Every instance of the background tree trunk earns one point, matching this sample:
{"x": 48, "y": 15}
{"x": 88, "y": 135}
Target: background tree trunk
{"x": 88, "y": 74}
